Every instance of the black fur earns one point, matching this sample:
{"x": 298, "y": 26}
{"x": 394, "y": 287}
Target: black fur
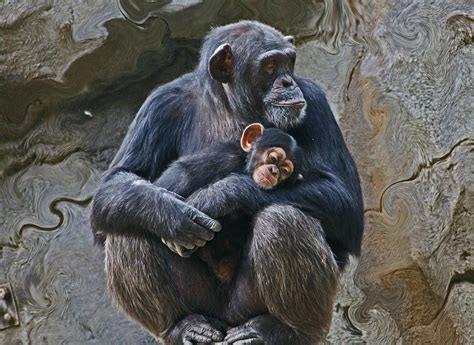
{"x": 295, "y": 240}
{"x": 192, "y": 172}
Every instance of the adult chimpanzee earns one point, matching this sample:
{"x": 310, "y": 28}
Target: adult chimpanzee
{"x": 270, "y": 156}
{"x": 297, "y": 242}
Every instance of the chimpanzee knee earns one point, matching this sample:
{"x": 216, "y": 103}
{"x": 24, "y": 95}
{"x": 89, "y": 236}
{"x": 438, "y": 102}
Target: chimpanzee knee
{"x": 294, "y": 269}
{"x": 160, "y": 297}
{"x": 135, "y": 273}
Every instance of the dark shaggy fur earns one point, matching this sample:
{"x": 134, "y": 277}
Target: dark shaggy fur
{"x": 295, "y": 239}
{"x": 192, "y": 172}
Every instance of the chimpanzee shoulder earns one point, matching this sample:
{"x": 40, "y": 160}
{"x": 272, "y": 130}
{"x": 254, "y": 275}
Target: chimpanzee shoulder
{"x": 156, "y": 130}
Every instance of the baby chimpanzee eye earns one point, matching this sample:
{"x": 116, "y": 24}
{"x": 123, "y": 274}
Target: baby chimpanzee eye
{"x": 285, "y": 170}
{"x": 272, "y": 158}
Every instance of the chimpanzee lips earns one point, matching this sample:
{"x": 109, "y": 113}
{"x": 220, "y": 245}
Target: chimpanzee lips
{"x": 291, "y": 104}
{"x": 265, "y": 179}
{"x": 285, "y": 113}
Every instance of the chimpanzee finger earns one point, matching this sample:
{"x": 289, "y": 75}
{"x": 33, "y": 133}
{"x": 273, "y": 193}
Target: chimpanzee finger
{"x": 186, "y": 244}
{"x": 169, "y": 245}
{"x": 242, "y": 333}
{"x": 199, "y": 233}
{"x": 204, "y": 333}
{"x": 177, "y": 249}
{"x": 200, "y": 243}
{"x": 202, "y": 219}
{"x": 183, "y": 252}
{"x": 186, "y": 253}
{"x": 198, "y": 338}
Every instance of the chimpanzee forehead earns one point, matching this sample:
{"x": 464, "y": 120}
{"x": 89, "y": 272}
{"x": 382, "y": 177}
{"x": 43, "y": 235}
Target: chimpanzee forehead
{"x": 248, "y": 40}
{"x": 277, "y": 53}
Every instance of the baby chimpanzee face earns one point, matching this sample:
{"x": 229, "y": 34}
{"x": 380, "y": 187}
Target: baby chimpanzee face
{"x": 272, "y": 155}
{"x": 271, "y": 167}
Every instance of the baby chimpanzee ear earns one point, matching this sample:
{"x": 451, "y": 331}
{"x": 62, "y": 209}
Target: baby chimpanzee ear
{"x": 250, "y": 134}
{"x": 221, "y": 63}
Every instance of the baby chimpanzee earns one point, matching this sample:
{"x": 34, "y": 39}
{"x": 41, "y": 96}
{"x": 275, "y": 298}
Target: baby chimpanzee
{"x": 270, "y": 155}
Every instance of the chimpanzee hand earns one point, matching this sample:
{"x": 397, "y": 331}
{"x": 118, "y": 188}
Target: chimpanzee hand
{"x": 185, "y": 227}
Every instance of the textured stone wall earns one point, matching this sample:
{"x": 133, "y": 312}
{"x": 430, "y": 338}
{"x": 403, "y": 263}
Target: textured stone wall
{"x": 398, "y": 75}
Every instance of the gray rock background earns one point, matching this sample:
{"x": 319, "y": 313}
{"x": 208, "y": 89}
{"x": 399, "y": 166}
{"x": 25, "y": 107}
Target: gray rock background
{"x": 398, "y": 75}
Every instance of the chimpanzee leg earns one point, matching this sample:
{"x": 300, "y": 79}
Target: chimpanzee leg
{"x": 161, "y": 290}
{"x": 295, "y": 276}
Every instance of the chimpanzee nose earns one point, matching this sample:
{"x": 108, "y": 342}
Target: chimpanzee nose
{"x": 274, "y": 170}
{"x": 287, "y": 81}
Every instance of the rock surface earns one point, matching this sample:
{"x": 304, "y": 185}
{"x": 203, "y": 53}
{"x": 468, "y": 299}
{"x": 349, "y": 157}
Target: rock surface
{"x": 398, "y": 75}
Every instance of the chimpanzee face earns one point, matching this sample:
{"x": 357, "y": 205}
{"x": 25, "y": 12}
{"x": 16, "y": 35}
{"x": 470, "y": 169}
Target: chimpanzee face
{"x": 273, "y": 155}
{"x": 271, "y": 166}
{"x": 283, "y": 102}
{"x": 257, "y": 76}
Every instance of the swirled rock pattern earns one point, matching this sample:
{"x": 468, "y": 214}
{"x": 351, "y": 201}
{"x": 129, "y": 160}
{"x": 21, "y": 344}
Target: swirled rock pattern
{"x": 398, "y": 75}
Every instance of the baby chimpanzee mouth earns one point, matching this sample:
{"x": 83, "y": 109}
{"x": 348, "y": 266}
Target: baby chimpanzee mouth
{"x": 268, "y": 180}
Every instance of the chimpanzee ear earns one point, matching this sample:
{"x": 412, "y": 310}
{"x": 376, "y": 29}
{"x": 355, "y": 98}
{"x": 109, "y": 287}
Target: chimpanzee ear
{"x": 290, "y": 39}
{"x": 250, "y": 134}
{"x": 221, "y": 63}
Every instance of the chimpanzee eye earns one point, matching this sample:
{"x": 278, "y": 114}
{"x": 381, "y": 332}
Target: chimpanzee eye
{"x": 272, "y": 158}
{"x": 286, "y": 168}
{"x": 270, "y": 67}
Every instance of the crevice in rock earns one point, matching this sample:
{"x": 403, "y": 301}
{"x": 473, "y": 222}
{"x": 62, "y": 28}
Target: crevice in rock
{"x": 457, "y": 278}
{"x": 53, "y": 208}
{"x": 416, "y": 174}
{"x": 351, "y": 74}
{"x": 459, "y": 206}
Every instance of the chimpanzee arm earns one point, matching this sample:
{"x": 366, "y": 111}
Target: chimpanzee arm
{"x": 322, "y": 195}
{"x": 126, "y": 202}
{"x": 330, "y": 190}
{"x": 192, "y": 172}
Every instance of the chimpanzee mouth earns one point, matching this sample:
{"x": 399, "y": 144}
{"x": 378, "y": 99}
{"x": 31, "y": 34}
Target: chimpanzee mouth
{"x": 294, "y": 104}
{"x": 266, "y": 183}
{"x": 285, "y": 115}
{"x": 264, "y": 180}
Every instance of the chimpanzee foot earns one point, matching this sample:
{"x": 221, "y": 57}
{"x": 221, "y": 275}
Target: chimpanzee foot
{"x": 243, "y": 335}
{"x": 196, "y": 329}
